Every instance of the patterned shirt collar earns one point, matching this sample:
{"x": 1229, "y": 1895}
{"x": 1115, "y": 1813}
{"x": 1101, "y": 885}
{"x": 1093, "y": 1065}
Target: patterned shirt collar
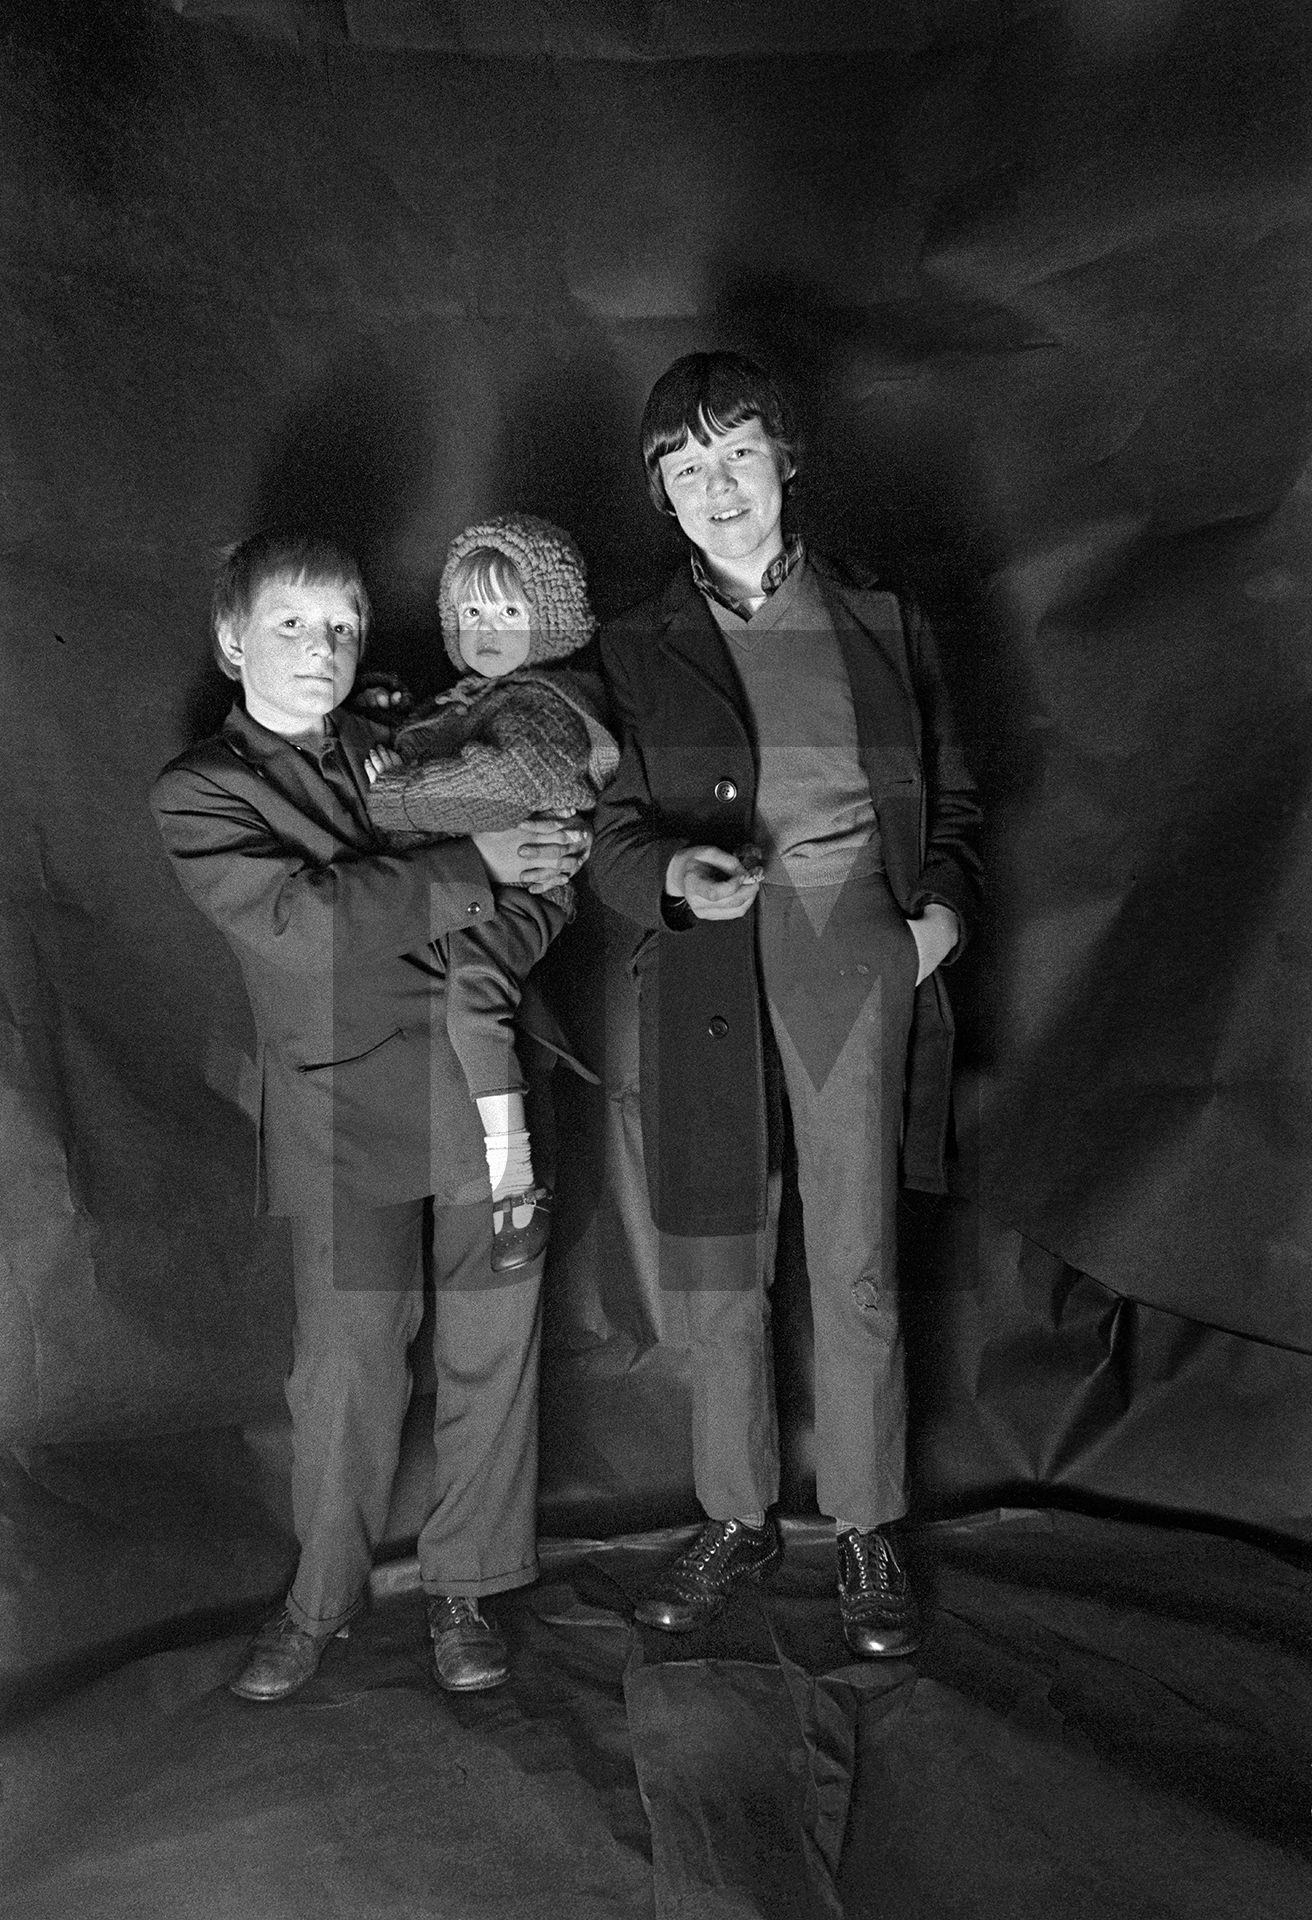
{"x": 771, "y": 580}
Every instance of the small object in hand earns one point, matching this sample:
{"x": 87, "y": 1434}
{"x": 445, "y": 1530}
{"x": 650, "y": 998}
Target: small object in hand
{"x": 751, "y": 860}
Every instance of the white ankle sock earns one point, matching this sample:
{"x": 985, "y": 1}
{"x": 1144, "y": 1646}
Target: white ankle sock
{"x": 509, "y": 1162}
{"x": 754, "y": 1520}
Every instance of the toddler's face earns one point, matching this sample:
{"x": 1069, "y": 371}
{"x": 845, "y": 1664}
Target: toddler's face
{"x": 494, "y": 634}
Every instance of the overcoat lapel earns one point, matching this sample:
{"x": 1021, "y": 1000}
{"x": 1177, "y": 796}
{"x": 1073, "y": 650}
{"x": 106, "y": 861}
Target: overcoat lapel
{"x": 691, "y": 637}
{"x": 875, "y": 655}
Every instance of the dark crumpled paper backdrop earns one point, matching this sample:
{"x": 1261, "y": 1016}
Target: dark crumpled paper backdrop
{"x": 1039, "y": 276}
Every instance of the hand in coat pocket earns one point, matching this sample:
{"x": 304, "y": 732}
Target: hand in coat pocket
{"x": 935, "y": 931}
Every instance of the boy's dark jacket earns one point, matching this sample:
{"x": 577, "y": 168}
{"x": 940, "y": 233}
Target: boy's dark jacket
{"x": 687, "y": 775}
{"x": 359, "y": 1090}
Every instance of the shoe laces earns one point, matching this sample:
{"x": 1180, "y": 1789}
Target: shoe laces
{"x": 710, "y": 1543}
{"x": 461, "y": 1610}
{"x": 872, "y": 1554}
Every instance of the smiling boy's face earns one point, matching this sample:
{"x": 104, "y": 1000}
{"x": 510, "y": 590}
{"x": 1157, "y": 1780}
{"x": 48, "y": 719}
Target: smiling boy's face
{"x": 728, "y": 496}
{"x": 296, "y": 652}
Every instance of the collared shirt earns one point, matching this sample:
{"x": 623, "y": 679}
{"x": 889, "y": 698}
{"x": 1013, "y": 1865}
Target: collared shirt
{"x": 267, "y": 740}
{"x": 772, "y": 579}
{"x": 329, "y": 759}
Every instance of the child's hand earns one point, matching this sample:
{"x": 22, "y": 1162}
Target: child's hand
{"x": 381, "y": 760}
{"x": 381, "y": 694}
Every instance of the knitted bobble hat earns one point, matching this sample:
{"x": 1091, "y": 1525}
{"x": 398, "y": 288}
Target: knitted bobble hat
{"x": 555, "y": 584}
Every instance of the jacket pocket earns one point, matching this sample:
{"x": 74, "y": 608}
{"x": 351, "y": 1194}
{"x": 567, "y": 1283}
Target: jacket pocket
{"x": 349, "y": 1059}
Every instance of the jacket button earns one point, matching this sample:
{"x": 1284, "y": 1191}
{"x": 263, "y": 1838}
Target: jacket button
{"x": 718, "y": 1027}
{"x": 475, "y": 906}
{"x": 725, "y": 790}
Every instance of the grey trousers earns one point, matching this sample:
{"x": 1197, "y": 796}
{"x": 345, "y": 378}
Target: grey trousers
{"x": 486, "y": 967}
{"x": 839, "y": 967}
{"x": 359, "y": 1302}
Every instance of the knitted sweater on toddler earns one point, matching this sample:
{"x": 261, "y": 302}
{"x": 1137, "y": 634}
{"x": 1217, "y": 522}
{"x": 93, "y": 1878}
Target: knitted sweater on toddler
{"x": 490, "y": 752}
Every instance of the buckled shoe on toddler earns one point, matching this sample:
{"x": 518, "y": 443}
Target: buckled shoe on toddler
{"x": 521, "y": 1228}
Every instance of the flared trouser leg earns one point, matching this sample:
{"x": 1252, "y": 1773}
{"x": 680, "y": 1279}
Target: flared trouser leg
{"x": 359, "y": 1298}
{"x": 359, "y": 1304}
{"x": 840, "y": 1007}
{"x": 735, "y": 1428}
{"x": 480, "y": 1535}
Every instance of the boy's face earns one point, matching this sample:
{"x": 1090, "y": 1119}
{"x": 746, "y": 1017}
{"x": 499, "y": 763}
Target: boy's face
{"x": 728, "y": 497}
{"x": 494, "y": 634}
{"x": 296, "y": 651}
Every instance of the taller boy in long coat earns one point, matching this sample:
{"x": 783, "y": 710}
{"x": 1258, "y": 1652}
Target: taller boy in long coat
{"x": 792, "y": 831}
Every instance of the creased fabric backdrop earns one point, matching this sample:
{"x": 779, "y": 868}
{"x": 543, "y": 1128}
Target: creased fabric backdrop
{"x": 1039, "y": 277}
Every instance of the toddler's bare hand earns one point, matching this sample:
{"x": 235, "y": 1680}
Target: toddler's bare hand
{"x": 377, "y": 692}
{"x": 381, "y": 760}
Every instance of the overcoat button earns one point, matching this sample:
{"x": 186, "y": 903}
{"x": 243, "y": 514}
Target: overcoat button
{"x": 718, "y": 1026}
{"x": 725, "y": 790}
{"x": 476, "y": 906}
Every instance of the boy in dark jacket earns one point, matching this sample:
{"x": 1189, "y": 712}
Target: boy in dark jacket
{"x": 367, "y": 1137}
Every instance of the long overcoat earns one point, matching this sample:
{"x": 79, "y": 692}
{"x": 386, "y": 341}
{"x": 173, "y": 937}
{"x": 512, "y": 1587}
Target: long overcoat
{"x": 687, "y": 775}
{"x": 360, "y": 1095}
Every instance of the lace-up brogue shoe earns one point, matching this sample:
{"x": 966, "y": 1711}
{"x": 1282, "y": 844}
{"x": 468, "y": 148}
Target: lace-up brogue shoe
{"x": 521, "y": 1227}
{"x": 724, "y": 1556}
{"x": 469, "y": 1654}
{"x": 281, "y": 1658}
{"x": 880, "y": 1617}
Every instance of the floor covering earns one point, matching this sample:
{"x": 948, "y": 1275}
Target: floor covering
{"x": 1107, "y": 1718}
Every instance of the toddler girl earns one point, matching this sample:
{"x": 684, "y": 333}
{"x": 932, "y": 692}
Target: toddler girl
{"x": 518, "y": 734}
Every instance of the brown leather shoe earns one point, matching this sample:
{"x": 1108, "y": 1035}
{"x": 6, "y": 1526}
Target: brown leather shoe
{"x": 281, "y": 1658}
{"x": 725, "y": 1555}
{"x": 521, "y": 1227}
{"x": 468, "y": 1652}
{"x": 881, "y": 1620}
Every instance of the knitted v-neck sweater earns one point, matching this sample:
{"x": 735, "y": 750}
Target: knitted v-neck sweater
{"x": 815, "y": 817}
